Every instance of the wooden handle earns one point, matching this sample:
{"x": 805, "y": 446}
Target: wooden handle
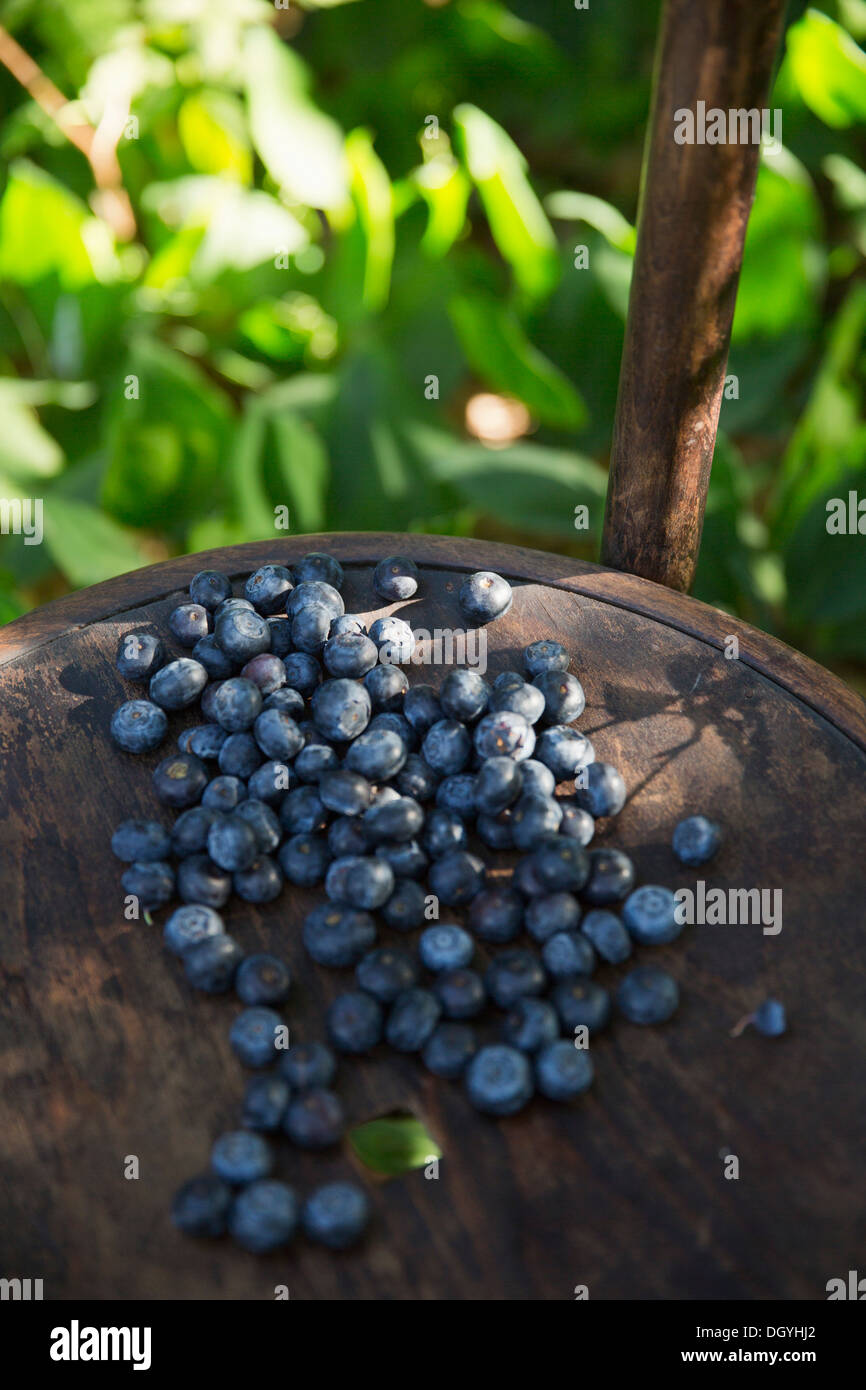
{"x": 694, "y": 207}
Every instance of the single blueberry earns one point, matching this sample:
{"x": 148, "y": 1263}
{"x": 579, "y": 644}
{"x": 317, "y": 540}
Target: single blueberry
{"x": 416, "y": 778}
{"x": 769, "y": 1018}
{"x": 650, "y": 913}
{"x": 336, "y": 936}
{"x": 341, "y": 709}
{"x": 364, "y": 881}
{"x": 201, "y": 1206}
{"x": 449, "y": 1050}
{"x": 260, "y": 882}
{"x": 496, "y": 915}
{"x": 564, "y": 698}
{"x": 456, "y": 793}
{"x": 141, "y": 840}
{"x": 607, "y": 934}
{"x": 545, "y": 655}
{"x": 445, "y": 947}
{"x": 581, "y": 1003}
{"x": 265, "y": 1101}
{"x": 422, "y": 708}
{"x": 564, "y": 750}
{"x": 266, "y": 826}
{"x": 239, "y": 756}
{"x": 395, "y": 578}
{"x": 315, "y": 1119}
{"x": 315, "y": 593}
{"x": 180, "y": 780}
{"x": 318, "y": 566}
{"x": 254, "y": 1033}
{"x": 447, "y": 747}
{"x": 504, "y": 734}
{"x": 394, "y": 640}
{"x": 264, "y": 1216}
{"x": 464, "y": 695}
{"x": 404, "y": 910}
{"x": 484, "y": 596}
{"x": 308, "y": 1064}
{"x": 210, "y": 589}
{"x": 498, "y": 784}
{"x": 302, "y": 812}
{"x": 533, "y": 818}
{"x": 263, "y": 979}
{"x": 386, "y": 685}
{"x": 412, "y": 1018}
{"x": 522, "y": 699}
{"x": 205, "y": 741}
{"x": 188, "y": 622}
{"x": 647, "y": 995}
{"x": 611, "y": 877}
{"x": 550, "y": 913}
{"x": 355, "y": 1021}
{"x": 269, "y": 588}
{"x": 232, "y": 844}
{"x": 310, "y": 627}
{"x": 239, "y": 1157}
{"x": 499, "y": 1080}
{"x": 560, "y": 864}
{"x": 350, "y": 654}
{"x": 456, "y": 877}
{"x": 696, "y": 839}
{"x": 576, "y": 823}
{"x": 563, "y": 1071}
{"x": 530, "y": 1024}
{"x": 200, "y": 880}
{"x": 267, "y": 672}
{"x": 138, "y": 726}
{"x": 288, "y": 701}
{"x": 223, "y": 794}
{"x": 303, "y": 672}
{"x": 600, "y": 789}
{"x": 495, "y": 831}
{"x": 281, "y": 637}
{"x": 151, "y": 881}
{"x": 393, "y": 820}
{"x": 346, "y": 836}
{"x": 386, "y": 972}
{"x": 211, "y": 964}
{"x": 336, "y": 1215}
{"x": 190, "y": 924}
{"x": 237, "y": 705}
{"x": 567, "y": 953}
{"x": 139, "y": 655}
{"x": 304, "y": 859}
{"x": 461, "y": 993}
{"x": 513, "y": 975}
{"x": 443, "y": 833}
{"x": 277, "y": 735}
{"x": 242, "y": 633}
{"x": 536, "y": 778}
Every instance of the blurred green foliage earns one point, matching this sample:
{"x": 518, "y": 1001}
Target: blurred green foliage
{"x": 352, "y": 218}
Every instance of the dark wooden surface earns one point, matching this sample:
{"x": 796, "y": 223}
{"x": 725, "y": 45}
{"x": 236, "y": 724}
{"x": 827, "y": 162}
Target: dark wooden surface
{"x": 694, "y": 208}
{"x": 106, "y": 1052}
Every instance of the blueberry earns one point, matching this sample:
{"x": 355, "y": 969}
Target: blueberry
{"x": 504, "y": 735}
{"x": 337, "y": 936}
{"x": 199, "y": 880}
{"x": 650, "y": 913}
{"x": 201, "y": 1206}
{"x": 394, "y": 639}
{"x": 404, "y": 910}
{"x": 316, "y": 593}
{"x": 443, "y": 833}
{"x": 611, "y": 877}
{"x": 513, "y": 975}
{"x": 647, "y": 995}
{"x": 608, "y": 935}
{"x": 265, "y": 1102}
{"x": 208, "y": 695}
{"x": 536, "y": 778}
{"x": 449, "y": 1050}
{"x": 138, "y": 726}
{"x": 564, "y": 750}
{"x": 302, "y": 812}
{"x": 180, "y": 780}
{"x": 393, "y": 820}
{"x": 266, "y": 671}
{"x": 264, "y": 822}
{"x": 211, "y": 964}
{"x": 346, "y": 836}
{"x": 264, "y": 1216}
{"x": 239, "y": 756}
{"x": 696, "y": 840}
{"x": 210, "y": 589}
{"x": 152, "y": 882}
{"x": 263, "y": 979}
{"x": 769, "y": 1018}
{"x": 303, "y": 672}
{"x": 576, "y": 823}
{"x": 188, "y": 622}
{"x": 386, "y": 686}
{"x": 563, "y": 1071}
{"x": 600, "y": 790}
{"x": 447, "y": 747}
{"x": 349, "y": 623}
{"x": 231, "y": 604}
{"x": 526, "y": 880}
{"x": 456, "y": 793}
{"x": 190, "y": 924}
{"x": 395, "y": 578}
{"x": 281, "y": 637}
{"x": 237, "y": 705}
{"x": 416, "y": 778}
{"x": 564, "y": 699}
{"x": 484, "y": 596}
{"x": 550, "y": 913}
{"x": 567, "y": 953}
{"x": 455, "y": 878}
{"x": 209, "y": 654}
{"x": 385, "y": 973}
{"x": 304, "y": 859}
{"x": 355, "y": 1021}
{"x": 545, "y": 655}
{"x": 445, "y": 947}
{"x": 495, "y": 831}
{"x": 360, "y": 880}
{"x": 412, "y": 1018}
{"x": 499, "y": 1080}
{"x": 223, "y": 794}
{"x": 377, "y": 754}
{"x": 277, "y": 735}
{"x": 341, "y": 709}
{"x": 205, "y": 742}
{"x": 336, "y": 1215}
{"x": 498, "y": 784}
{"x": 260, "y": 882}
{"x": 318, "y": 566}
{"x": 242, "y": 634}
{"x": 308, "y": 1064}
{"x": 139, "y": 655}
{"x": 178, "y": 684}
{"x": 522, "y": 699}
{"x": 269, "y": 588}
{"x": 461, "y": 993}
{"x": 464, "y": 695}
{"x": 531, "y": 1024}
{"x": 350, "y": 654}
{"x": 239, "y": 1157}
{"x": 231, "y": 843}
{"x": 533, "y": 818}
{"x": 310, "y": 627}
{"x": 496, "y": 915}
{"x": 422, "y": 708}
{"x": 286, "y": 700}
{"x": 141, "y": 840}
{"x": 508, "y": 680}
{"x": 560, "y": 864}
{"x": 255, "y": 1032}
{"x": 581, "y": 1003}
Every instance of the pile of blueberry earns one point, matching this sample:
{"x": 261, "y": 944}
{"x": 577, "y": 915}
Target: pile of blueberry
{"x": 316, "y": 763}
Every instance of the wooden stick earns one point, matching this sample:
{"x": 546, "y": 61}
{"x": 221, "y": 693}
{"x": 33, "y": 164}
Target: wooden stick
{"x": 694, "y": 208}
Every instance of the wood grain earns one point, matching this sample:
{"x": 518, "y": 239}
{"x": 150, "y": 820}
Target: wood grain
{"x": 104, "y": 1051}
{"x": 694, "y": 209}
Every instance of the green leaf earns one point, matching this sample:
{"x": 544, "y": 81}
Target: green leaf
{"x": 86, "y": 544}
{"x": 301, "y": 148}
{"x": 828, "y": 68}
{"x": 393, "y": 1145}
{"x": 27, "y": 450}
{"x": 445, "y": 189}
{"x": 517, "y": 220}
{"x": 304, "y": 470}
{"x": 595, "y": 212}
{"x": 371, "y": 193}
{"x": 45, "y": 230}
{"x": 213, "y": 132}
{"x": 783, "y": 266}
{"x": 497, "y": 347}
{"x": 251, "y": 505}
